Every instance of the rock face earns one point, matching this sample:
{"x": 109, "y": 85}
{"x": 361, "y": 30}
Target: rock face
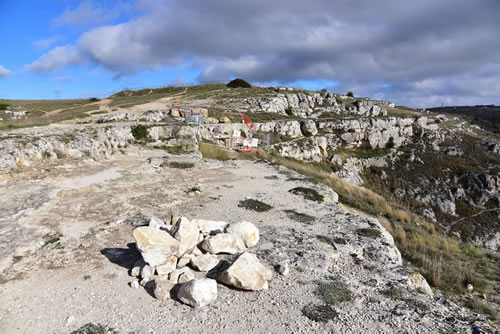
{"x": 247, "y": 231}
{"x": 247, "y": 273}
{"x": 223, "y": 243}
{"x": 198, "y": 292}
{"x": 210, "y": 226}
{"x": 156, "y": 246}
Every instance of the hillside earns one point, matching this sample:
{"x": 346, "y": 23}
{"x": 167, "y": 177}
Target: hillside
{"x": 389, "y": 199}
{"x": 486, "y": 116}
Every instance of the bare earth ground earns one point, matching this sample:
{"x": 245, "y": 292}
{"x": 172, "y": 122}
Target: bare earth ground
{"x": 66, "y": 247}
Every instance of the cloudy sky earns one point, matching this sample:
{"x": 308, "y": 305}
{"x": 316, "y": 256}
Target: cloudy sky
{"x": 416, "y": 53}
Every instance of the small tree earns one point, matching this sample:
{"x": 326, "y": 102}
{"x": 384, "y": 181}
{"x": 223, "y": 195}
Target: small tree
{"x": 238, "y": 83}
{"x": 350, "y": 94}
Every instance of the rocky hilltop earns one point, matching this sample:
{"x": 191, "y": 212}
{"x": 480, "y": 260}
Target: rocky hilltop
{"x": 372, "y": 218}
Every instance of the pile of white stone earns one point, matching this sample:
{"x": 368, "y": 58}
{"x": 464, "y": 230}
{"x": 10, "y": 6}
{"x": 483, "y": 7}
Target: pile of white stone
{"x": 182, "y": 254}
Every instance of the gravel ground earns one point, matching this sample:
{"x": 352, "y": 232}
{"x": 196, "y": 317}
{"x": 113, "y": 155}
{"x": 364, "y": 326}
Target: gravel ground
{"x": 66, "y": 247}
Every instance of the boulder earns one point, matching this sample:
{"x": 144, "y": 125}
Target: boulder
{"x": 247, "y": 231}
{"x": 162, "y": 289}
{"x": 184, "y": 260}
{"x": 136, "y": 269}
{"x": 417, "y": 281}
{"x": 156, "y": 246}
{"x": 204, "y": 112}
{"x": 247, "y": 273}
{"x": 186, "y": 232}
{"x": 225, "y": 120}
{"x": 198, "y": 292}
{"x": 204, "y": 262}
{"x": 174, "y": 112}
{"x": 223, "y": 243}
{"x": 211, "y": 120}
{"x": 186, "y": 277}
{"x": 308, "y": 128}
{"x": 167, "y": 267}
{"x": 210, "y": 226}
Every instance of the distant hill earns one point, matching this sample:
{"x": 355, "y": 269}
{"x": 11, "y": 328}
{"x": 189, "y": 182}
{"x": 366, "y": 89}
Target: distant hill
{"x": 486, "y": 116}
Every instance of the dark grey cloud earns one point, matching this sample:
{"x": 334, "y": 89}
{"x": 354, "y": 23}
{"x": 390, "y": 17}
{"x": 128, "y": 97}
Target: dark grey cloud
{"x": 420, "y": 52}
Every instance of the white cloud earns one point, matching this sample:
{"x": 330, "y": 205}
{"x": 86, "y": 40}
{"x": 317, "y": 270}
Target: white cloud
{"x": 56, "y": 59}
{"x": 87, "y": 13}
{"x": 414, "y": 52}
{"x": 4, "y": 73}
{"x": 46, "y": 42}
{"x": 64, "y": 78}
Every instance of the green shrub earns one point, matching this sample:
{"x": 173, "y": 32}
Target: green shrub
{"x": 140, "y": 132}
{"x": 238, "y": 83}
{"x": 350, "y": 94}
{"x": 3, "y": 106}
{"x": 339, "y": 100}
{"x": 390, "y": 143}
{"x": 255, "y": 205}
{"x": 95, "y": 329}
{"x": 94, "y": 99}
{"x": 289, "y": 111}
{"x": 214, "y": 152}
{"x": 307, "y": 193}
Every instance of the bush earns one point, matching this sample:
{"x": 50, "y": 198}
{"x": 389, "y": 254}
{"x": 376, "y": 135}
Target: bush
{"x": 289, "y": 111}
{"x": 390, "y": 143}
{"x": 350, "y": 94}
{"x": 3, "y": 106}
{"x": 94, "y": 329}
{"x": 94, "y": 99}
{"x": 238, "y": 83}
{"x": 140, "y": 132}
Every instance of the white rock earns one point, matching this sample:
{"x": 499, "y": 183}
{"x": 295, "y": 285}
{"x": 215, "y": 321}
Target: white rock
{"x": 470, "y": 288}
{"x": 156, "y": 223}
{"x": 147, "y": 271}
{"x": 184, "y": 260}
{"x": 163, "y": 288}
{"x": 197, "y": 251}
{"x": 247, "y": 273}
{"x": 134, "y": 284}
{"x": 156, "y": 246}
{"x": 174, "y": 275}
{"x": 186, "y": 232}
{"x": 247, "y": 231}
{"x": 418, "y": 281}
{"x": 284, "y": 268}
{"x": 136, "y": 269}
{"x": 198, "y": 292}
{"x": 70, "y": 320}
{"x": 167, "y": 267}
{"x": 186, "y": 277}
{"x": 204, "y": 262}
{"x": 210, "y": 226}
{"x": 223, "y": 243}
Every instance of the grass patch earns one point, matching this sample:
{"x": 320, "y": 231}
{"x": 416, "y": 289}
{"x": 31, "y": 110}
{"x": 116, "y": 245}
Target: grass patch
{"x": 319, "y": 313}
{"x": 368, "y": 233}
{"x": 480, "y": 307}
{"x": 16, "y": 258}
{"x": 87, "y": 277}
{"x": 181, "y": 164}
{"x": 307, "y": 193}
{"x": 91, "y": 328}
{"x": 325, "y": 239}
{"x": 271, "y": 177}
{"x": 334, "y": 292}
{"x": 339, "y": 241}
{"x": 255, "y": 205}
{"x": 398, "y": 294}
{"x": 214, "y": 152}
{"x": 175, "y": 150}
{"x": 300, "y": 217}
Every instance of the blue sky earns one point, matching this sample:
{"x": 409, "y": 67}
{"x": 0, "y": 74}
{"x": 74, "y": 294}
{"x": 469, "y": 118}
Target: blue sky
{"x": 424, "y": 53}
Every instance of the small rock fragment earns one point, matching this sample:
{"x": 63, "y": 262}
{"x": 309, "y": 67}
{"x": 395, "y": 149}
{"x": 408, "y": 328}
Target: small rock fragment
{"x": 247, "y": 273}
{"x": 174, "y": 275}
{"x": 147, "y": 271}
{"x": 156, "y": 223}
{"x": 196, "y": 251}
{"x": 167, "y": 267}
{"x": 184, "y": 260}
{"x": 163, "y": 288}
{"x": 247, "y": 231}
{"x": 70, "y": 320}
{"x": 134, "y": 284}
{"x": 210, "y": 226}
{"x": 470, "y": 288}
{"x": 198, "y": 292}
{"x": 223, "y": 243}
{"x": 204, "y": 262}
{"x": 185, "y": 277}
{"x": 284, "y": 268}
{"x": 136, "y": 269}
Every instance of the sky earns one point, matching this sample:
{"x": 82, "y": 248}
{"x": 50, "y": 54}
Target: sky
{"x": 416, "y": 53}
